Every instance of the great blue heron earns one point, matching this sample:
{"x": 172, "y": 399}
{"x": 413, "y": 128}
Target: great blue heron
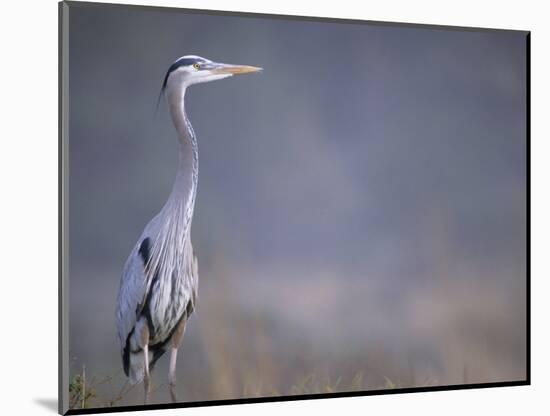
{"x": 159, "y": 283}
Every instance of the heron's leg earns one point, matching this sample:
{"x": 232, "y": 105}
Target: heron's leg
{"x": 172, "y": 373}
{"x": 146, "y": 377}
{"x": 143, "y": 330}
{"x": 174, "y": 345}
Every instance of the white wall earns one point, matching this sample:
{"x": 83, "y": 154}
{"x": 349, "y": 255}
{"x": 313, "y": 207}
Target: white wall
{"x": 28, "y": 175}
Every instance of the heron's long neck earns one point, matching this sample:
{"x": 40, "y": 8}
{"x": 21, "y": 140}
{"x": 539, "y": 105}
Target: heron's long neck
{"x": 185, "y": 186}
{"x": 168, "y": 256}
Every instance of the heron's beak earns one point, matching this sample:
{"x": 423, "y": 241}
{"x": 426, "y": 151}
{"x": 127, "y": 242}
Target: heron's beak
{"x": 235, "y": 69}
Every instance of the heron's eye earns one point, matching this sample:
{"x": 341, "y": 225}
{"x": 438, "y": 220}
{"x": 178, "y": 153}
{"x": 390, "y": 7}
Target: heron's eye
{"x": 196, "y": 66}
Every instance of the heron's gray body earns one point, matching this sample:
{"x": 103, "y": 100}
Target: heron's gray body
{"x": 159, "y": 283}
{"x": 169, "y": 299}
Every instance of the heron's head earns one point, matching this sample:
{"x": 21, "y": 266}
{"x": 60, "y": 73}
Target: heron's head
{"x": 192, "y": 69}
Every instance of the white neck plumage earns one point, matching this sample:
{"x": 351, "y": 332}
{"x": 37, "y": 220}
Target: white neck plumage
{"x": 188, "y": 169}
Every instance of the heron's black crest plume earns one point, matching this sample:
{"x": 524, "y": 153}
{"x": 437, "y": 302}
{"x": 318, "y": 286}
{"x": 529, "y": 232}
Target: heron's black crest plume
{"x": 163, "y": 87}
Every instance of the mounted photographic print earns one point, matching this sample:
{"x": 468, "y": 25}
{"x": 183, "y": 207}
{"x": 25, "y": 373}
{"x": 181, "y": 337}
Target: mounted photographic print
{"x": 266, "y": 208}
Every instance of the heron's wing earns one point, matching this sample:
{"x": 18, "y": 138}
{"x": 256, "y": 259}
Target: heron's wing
{"x": 134, "y": 286}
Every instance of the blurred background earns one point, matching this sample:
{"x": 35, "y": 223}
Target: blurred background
{"x": 360, "y": 221}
